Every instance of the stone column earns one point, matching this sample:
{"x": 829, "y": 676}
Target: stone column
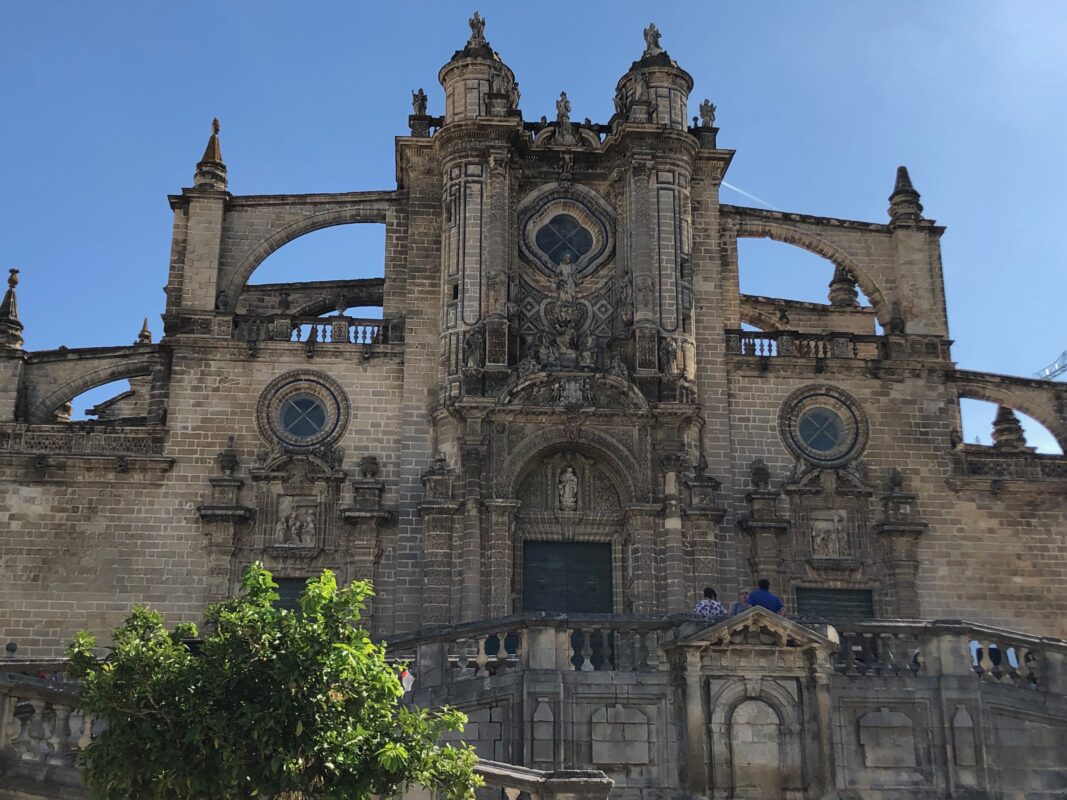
{"x": 646, "y": 335}
{"x": 498, "y": 189}
{"x": 900, "y": 531}
{"x": 640, "y": 522}
{"x": 470, "y": 552}
{"x": 673, "y": 545}
{"x": 766, "y": 533}
{"x": 221, "y": 517}
{"x": 821, "y": 672}
{"x": 499, "y": 560}
{"x": 695, "y": 725}
{"x": 436, "y": 597}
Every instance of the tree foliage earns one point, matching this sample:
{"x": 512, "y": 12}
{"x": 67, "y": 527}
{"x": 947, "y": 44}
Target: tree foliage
{"x": 272, "y": 702}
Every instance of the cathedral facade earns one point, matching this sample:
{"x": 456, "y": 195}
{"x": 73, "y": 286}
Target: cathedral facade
{"x": 567, "y": 422}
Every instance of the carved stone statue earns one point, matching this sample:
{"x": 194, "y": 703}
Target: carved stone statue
{"x": 496, "y": 82}
{"x": 563, "y": 109}
{"x": 477, "y": 23}
{"x": 652, "y": 35}
{"x": 620, "y": 102}
{"x": 707, "y": 114}
{"x": 566, "y": 280}
{"x": 760, "y": 475}
{"x": 587, "y": 351}
{"x": 547, "y": 351}
{"x": 474, "y": 349}
{"x": 829, "y": 538}
{"x": 513, "y": 95}
{"x": 418, "y": 103}
{"x": 568, "y": 490}
{"x": 668, "y": 355}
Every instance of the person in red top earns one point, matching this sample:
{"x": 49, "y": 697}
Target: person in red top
{"x": 765, "y": 598}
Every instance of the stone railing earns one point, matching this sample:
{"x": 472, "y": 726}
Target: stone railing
{"x": 952, "y": 647}
{"x": 88, "y": 438}
{"x": 976, "y": 461}
{"x": 789, "y": 344}
{"x": 317, "y": 330}
{"x": 836, "y": 345}
{"x": 583, "y": 643}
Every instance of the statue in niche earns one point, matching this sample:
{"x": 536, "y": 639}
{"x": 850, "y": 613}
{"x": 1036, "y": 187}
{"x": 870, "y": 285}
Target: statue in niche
{"x": 641, "y": 92}
{"x": 418, "y": 103}
{"x": 668, "y": 355}
{"x": 568, "y": 490}
{"x": 547, "y": 350}
{"x": 563, "y": 110}
{"x": 707, "y": 114}
{"x": 652, "y": 34}
{"x": 587, "y": 351}
{"x": 477, "y": 23}
{"x": 474, "y": 349}
{"x": 829, "y": 537}
{"x": 566, "y": 280}
{"x": 297, "y": 525}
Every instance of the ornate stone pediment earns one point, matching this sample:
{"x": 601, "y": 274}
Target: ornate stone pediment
{"x": 757, "y": 628}
{"x": 575, "y": 390}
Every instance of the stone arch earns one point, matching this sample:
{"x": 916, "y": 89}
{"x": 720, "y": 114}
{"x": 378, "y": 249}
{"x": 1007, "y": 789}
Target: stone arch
{"x": 349, "y": 215}
{"x": 783, "y": 705}
{"x": 758, "y": 319}
{"x": 1018, "y": 401}
{"x": 42, "y": 409}
{"x": 749, "y": 228}
{"x": 624, "y": 467}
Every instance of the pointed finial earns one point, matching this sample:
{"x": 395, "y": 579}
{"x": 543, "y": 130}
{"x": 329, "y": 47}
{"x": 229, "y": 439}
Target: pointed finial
{"x": 1008, "y": 431}
{"x": 10, "y": 326}
{"x": 904, "y": 205}
{"x": 145, "y": 335}
{"x": 211, "y": 171}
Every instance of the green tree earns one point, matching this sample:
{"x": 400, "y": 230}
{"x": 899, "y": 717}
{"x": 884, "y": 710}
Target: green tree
{"x": 271, "y": 703}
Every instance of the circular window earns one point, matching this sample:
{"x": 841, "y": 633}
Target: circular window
{"x": 823, "y": 425}
{"x": 303, "y": 416}
{"x": 564, "y": 236}
{"x": 303, "y": 410}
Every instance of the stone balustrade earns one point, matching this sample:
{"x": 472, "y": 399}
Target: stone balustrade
{"x": 835, "y": 345}
{"x": 949, "y": 647}
{"x": 317, "y": 330}
{"x": 583, "y": 643}
{"x": 977, "y": 461}
{"x": 82, "y": 438}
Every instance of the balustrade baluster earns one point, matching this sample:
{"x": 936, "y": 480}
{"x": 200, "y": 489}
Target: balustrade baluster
{"x": 481, "y": 659}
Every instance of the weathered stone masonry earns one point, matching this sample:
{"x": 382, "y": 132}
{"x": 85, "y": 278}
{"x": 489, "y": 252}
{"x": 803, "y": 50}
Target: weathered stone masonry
{"x": 566, "y": 423}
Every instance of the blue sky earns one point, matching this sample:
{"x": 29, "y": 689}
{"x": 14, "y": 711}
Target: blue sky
{"x": 108, "y": 107}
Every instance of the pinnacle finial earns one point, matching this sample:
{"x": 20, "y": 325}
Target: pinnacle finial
{"x": 10, "y": 326}
{"x": 904, "y": 205}
{"x": 211, "y": 171}
{"x": 145, "y": 335}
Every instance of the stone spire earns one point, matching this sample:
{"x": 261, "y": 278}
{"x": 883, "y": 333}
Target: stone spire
{"x": 10, "y": 326}
{"x": 1007, "y": 431}
{"x": 211, "y": 171}
{"x": 843, "y": 289}
{"x": 145, "y": 335}
{"x": 904, "y": 205}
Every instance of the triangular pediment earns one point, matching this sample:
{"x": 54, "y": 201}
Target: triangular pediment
{"x": 757, "y": 627}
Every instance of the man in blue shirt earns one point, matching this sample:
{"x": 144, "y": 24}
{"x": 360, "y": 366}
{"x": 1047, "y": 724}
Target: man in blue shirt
{"x": 765, "y": 598}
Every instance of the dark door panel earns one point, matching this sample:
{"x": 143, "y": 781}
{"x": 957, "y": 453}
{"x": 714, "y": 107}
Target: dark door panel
{"x": 567, "y": 577}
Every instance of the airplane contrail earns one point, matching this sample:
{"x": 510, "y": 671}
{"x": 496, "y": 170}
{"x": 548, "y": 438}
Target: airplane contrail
{"x": 750, "y": 196}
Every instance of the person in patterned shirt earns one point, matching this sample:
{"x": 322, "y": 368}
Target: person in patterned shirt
{"x": 710, "y": 606}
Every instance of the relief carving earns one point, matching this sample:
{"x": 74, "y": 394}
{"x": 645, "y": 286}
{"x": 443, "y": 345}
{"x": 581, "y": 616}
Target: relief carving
{"x": 829, "y": 534}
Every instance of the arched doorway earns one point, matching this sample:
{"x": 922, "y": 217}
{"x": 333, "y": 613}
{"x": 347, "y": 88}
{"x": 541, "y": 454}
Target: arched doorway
{"x": 569, "y": 542}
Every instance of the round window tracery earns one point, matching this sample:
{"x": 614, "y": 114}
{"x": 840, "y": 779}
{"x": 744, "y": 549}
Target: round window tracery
{"x": 303, "y": 410}
{"x": 564, "y": 236}
{"x": 823, "y": 425}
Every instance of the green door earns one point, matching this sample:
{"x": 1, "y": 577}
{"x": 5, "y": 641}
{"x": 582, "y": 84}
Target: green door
{"x": 567, "y": 577}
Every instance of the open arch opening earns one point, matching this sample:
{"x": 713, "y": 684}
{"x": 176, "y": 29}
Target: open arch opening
{"x": 320, "y": 273}
{"x": 978, "y": 418}
{"x": 785, "y": 287}
{"x": 100, "y": 394}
